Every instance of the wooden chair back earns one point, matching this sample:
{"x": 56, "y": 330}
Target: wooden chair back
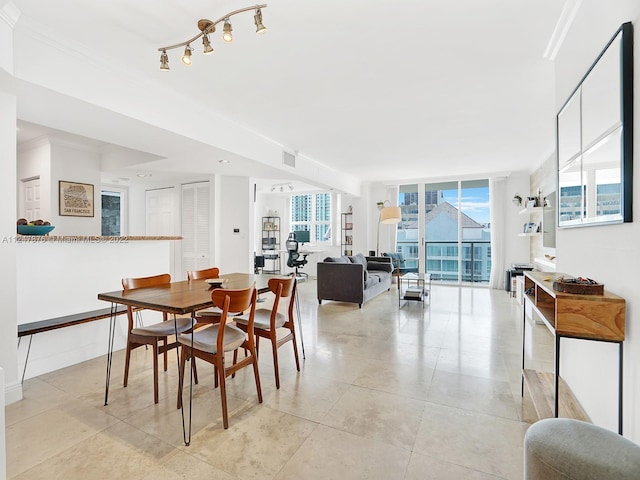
{"x": 142, "y": 282}
{"x": 213, "y": 272}
{"x": 235, "y": 301}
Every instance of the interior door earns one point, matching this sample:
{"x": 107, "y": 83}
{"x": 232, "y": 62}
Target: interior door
{"x": 160, "y": 211}
{"x": 30, "y": 199}
{"x": 195, "y": 220}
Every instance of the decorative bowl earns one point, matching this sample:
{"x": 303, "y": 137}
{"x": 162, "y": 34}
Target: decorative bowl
{"x": 35, "y": 229}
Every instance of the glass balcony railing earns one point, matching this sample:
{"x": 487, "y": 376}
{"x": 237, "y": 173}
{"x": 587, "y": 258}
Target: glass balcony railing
{"x": 442, "y": 260}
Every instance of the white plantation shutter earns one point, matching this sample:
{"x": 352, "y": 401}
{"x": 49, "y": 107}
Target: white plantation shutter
{"x": 195, "y": 226}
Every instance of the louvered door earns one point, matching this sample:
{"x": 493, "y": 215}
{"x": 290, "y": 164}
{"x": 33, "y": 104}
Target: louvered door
{"x": 196, "y": 226}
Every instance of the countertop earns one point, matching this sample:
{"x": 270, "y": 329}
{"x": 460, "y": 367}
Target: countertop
{"x": 87, "y": 238}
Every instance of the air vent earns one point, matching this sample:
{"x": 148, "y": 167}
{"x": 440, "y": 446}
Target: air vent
{"x": 288, "y": 159}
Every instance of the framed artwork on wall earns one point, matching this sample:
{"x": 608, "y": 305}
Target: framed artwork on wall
{"x": 76, "y": 199}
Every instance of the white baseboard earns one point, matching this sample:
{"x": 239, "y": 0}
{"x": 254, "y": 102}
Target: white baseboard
{"x": 12, "y": 393}
{"x": 3, "y": 446}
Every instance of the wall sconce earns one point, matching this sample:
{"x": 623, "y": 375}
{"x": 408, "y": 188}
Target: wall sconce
{"x": 206, "y": 27}
{"x": 388, "y": 215}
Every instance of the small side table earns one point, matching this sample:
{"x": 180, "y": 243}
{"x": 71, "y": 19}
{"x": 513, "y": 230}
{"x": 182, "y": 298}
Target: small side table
{"x": 414, "y": 287}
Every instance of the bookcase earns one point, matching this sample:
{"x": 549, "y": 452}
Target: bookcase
{"x": 271, "y": 244}
{"x": 346, "y": 233}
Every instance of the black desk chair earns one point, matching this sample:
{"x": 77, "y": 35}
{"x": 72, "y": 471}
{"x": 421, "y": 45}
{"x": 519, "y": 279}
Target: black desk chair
{"x": 294, "y": 260}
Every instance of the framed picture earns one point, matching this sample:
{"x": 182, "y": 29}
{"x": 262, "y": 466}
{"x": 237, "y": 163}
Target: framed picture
{"x": 531, "y": 203}
{"x": 76, "y": 199}
{"x": 530, "y": 227}
{"x": 267, "y": 226}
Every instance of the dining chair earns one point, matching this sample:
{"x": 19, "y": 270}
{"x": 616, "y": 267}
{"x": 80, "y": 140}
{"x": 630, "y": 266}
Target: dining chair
{"x": 210, "y": 343}
{"x": 267, "y": 322}
{"x": 211, "y": 314}
{"x": 152, "y": 334}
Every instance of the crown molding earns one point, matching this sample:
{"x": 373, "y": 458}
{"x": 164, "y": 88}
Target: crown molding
{"x": 10, "y": 14}
{"x": 567, "y": 16}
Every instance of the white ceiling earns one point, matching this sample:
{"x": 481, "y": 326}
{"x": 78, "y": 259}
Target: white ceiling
{"x": 380, "y": 90}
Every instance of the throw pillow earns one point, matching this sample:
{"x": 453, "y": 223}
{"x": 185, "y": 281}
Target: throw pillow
{"x": 380, "y": 266}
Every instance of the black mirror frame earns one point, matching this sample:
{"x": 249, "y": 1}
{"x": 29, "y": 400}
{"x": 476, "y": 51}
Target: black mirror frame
{"x": 626, "y": 114}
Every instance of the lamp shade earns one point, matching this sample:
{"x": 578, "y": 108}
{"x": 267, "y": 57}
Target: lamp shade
{"x": 389, "y": 215}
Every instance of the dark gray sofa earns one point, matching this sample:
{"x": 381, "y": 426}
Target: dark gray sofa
{"x": 353, "y": 279}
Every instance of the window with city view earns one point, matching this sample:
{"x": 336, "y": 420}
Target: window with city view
{"x": 457, "y": 232}
{"x": 312, "y": 212}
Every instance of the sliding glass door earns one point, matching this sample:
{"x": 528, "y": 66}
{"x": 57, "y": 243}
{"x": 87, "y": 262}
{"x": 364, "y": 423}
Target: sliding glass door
{"x": 445, "y": 230}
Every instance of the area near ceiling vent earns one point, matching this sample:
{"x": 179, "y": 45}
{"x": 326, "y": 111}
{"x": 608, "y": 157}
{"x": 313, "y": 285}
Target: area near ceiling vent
{"x": 288, "y": 159}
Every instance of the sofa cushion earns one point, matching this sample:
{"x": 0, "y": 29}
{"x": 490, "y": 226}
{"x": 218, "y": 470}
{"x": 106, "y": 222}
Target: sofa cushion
{"x": 342, "y": 259}
{"x": 372, "y": 280}
{"x": 379, "y": 266}
{"x": 359, "y": 258}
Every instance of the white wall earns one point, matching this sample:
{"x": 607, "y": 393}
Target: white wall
{"x": 516, "y": 248}
{"x": 3, "y": 447}
{"x": 74, "y": 164}
{"x": 234, "y": 210}
{"x": 8, "y": 340}
{"x": 74, "y": 275}
{"x": 608, "y": 254}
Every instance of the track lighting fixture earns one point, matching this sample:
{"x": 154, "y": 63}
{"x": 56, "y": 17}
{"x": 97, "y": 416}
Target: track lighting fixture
{"x": 164, "y": 61}
{"x": 207, "y": 27}
{"x": 281, "y": 187}
{"x": 227, "y": 36}
{"x": 207, "y": 45}
{"x": 186, "y": 58}
{"x": 257, "y": 18}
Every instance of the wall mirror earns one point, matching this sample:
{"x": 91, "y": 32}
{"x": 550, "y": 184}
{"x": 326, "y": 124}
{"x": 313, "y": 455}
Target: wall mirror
{"x": 549, "y": 221}
{"x": 594, "y": 135}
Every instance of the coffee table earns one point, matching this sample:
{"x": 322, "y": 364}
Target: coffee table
{"x": 414, "y": 287}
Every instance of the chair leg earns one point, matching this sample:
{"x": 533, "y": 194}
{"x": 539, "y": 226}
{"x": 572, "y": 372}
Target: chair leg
{"x": 223, "y": 389}
{"x": 165, "y": 353}
{"x": 274, "y": 348}
{"x": 235, "y": 360}
{"x": 126, "y": 364}
{"x": 195, "y": 370}
{"x": 295, "y": 349}
{"x": 155, "y": 371}
{"x": 256, "y": 375}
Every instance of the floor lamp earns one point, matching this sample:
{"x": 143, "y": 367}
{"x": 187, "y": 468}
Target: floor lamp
{"x": 388, "y": 215}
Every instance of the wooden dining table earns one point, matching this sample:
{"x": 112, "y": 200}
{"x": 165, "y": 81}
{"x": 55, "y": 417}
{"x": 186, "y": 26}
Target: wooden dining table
{"x": 177, "y": 298}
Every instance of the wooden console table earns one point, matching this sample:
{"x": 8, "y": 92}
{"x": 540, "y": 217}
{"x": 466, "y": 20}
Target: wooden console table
{"x": 585, "y": 317}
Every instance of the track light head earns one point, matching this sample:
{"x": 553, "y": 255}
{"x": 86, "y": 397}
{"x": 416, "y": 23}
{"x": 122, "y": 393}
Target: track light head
{"x": 257, "y": 18}
{"x": 164, "y": 61}
{"x": 207, "y": 45}
{"x": 186, "y": 58}
{"x": 227, "y": 36}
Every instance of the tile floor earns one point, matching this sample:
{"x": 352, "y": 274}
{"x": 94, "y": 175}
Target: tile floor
{"x": 384, "y": 393}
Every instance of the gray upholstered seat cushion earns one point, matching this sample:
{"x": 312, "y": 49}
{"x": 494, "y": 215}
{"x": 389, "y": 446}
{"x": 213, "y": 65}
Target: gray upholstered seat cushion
{"x": 164, "y": 329}
{"x": 262, "y": 319}
{"x": 209, "y": 312}
{"x": 561, "y": 448}
{"x": 205, "y": 338}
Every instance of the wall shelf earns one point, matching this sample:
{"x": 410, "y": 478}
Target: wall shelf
{"x": 529, "y": 211}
